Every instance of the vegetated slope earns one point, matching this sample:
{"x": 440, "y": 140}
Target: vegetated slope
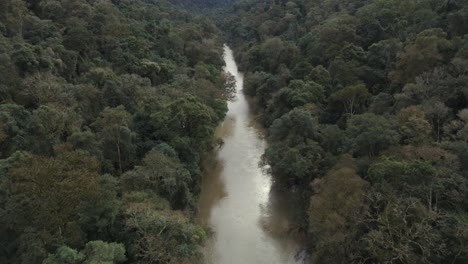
{"x": 106, "y": 109}
{"x": 201, "y": 4}
{"x": 366, "y": 104}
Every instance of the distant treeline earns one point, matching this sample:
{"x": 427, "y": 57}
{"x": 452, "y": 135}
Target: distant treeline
{"x": 201, "y": 4}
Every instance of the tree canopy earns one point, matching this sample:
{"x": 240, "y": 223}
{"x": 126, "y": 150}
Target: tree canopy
{"x": 106, "y": 107}
{"x": 367, "y": 121}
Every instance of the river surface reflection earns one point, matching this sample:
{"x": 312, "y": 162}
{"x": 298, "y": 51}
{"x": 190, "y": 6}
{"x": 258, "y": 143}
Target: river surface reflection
{"x": 235, "y": 196}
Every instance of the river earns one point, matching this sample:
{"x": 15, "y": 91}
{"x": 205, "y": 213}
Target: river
{"x": 235, "y": 202}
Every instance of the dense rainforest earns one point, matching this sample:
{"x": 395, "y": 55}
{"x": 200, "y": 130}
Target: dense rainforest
{"x": 367, "y": 110}
{"x": 106, "y": 109}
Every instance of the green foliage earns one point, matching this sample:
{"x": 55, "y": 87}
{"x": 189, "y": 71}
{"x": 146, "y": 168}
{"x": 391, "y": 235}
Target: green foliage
{"x": 428, "y": 51}
{"x": 98, "y": 99}
{"x": 65, "y": 255}
{"x": 107, "y": 108}
{"x": 187, "y": 125}
{"x": 99, "y": 218}
{"x": 25, "y": 59}
{"x": 351, "y": 97}
{"x": 332, "y": 138}
{"x": 293, "y": 153}
{"x": 413, "y": 125}
{"x": 369, "y": 134}
{"x": 161, "y": 236}
{"x": 95, "y": 252}
{"x": 295, "y": 126}
{"x": 404, "y": 232}
{"x": 164, "y": 175}
{"x": 393, "y": 91}
{"x": 297, "y": 94}
{"x": 15, "y": 122}
{"x": 45, "y": 197}
{"x": 102, "y": 252}
{"x": 321, "y": 76}
{"x": 336, "y": 209}
{"x": 396, "y": 172}
{"x": 113, "y": 129}
{"x": 253, "y": 81}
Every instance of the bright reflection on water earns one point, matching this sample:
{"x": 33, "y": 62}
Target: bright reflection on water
{"x": 235, "y": 191}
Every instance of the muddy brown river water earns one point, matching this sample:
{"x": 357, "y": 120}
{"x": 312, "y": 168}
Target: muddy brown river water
{"x": 236, "y": 193}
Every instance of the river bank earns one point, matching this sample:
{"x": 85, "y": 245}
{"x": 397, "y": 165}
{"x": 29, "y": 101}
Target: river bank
{"x": 236, "y": 198}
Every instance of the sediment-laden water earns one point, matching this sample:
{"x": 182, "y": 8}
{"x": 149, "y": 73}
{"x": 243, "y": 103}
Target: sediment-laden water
{"x": 236, "y": 192}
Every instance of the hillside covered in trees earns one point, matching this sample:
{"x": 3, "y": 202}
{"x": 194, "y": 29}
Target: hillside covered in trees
{"x": 106, "y": 110}
{"x": 367, "y": 110}
{"x": 195, "y": 6}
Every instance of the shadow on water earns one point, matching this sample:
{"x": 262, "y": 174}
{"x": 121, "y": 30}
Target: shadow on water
{"x": 213, "y": 188}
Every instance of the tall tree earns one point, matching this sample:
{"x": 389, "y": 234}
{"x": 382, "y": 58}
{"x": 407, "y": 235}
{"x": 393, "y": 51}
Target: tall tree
{"x": 351, "y": 97}
{"x": 112, "y": 125}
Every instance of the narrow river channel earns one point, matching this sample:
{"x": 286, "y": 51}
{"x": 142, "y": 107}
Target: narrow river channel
{"x": 235, "y": 198}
